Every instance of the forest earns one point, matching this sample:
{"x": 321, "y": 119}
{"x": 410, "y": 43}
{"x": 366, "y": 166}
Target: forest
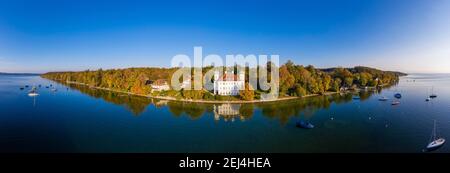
{"x": 295, "y": 80}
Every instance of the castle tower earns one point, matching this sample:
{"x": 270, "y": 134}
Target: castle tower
{"x": 215, "y": 83}
{"x": 216, "y": 75}
{"x": 242, "y": 75}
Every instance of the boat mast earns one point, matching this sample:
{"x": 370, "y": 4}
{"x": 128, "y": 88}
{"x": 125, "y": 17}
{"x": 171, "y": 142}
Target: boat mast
{"x": 434, "y": 130}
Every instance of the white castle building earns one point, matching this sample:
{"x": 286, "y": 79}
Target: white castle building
{"x": 229, "y": 83}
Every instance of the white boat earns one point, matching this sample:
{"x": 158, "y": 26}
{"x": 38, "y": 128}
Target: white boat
{"x": 395, "y": 103}
{"x": 435, "y": 141}
{"x": 383, "y": 99}
{"x": 428, "y": 99}
{"x": 32, "y": 92}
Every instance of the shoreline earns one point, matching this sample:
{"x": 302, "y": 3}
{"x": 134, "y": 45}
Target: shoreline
{"x": 213, "y": 101}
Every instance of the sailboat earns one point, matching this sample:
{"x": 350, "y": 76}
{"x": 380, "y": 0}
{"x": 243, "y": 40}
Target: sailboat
{"x": 435, "y": 142}
{"x": 33, "y": 92}
{"x": 304, "y": 125}
{"x": 432, "y": 93}
{"x": 395, "y": 102}
{"x": 384, "y": 98}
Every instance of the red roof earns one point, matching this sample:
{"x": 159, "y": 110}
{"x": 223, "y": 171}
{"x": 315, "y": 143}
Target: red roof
{"x": 228, "y": 77}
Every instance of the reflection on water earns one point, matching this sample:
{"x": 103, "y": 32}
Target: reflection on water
{"x": 229, "y": 112}
{"x": 281, "y": 110}
{"x": 134, "y": 104}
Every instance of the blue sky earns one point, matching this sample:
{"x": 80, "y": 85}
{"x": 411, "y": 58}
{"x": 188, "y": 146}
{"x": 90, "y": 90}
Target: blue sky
{"x": 59, "y": 35}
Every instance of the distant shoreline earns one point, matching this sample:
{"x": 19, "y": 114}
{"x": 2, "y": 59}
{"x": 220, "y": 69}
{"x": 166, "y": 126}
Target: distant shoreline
{"x": 20, "y": 74}
{"x": 214, "y": 101}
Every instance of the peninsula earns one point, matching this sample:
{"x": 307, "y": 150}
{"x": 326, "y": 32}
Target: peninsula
{"x": 295, "y": 81}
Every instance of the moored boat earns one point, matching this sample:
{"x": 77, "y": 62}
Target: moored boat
{"x": 435, "y": 142}
{"x": 304, "y": 124}
{"x": 33, "y": 92}
{"x": 433, "y": 95}
{"x": 383, "y": 98}
{"x": 395, "y": 103}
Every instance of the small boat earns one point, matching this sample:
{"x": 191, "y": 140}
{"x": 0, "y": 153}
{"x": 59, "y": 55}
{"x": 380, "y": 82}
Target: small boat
{"x": 47, "y": 87}
{"x": 356, "y": 98}
{"x": 54, "y": 89}
{"x": 395, "y": 103}
{"x": 32, "y": 92}
{"x": 21, "y": 88}
{"x": 432, "y": 93}
{"x": 383, "y": 99}
{"x": 304, "y": 124}
{"x": 398, "y": 95}
{"x": 428, "y": 99}
{"x": 435, "y": 142}
{"x": 26, "y": 86}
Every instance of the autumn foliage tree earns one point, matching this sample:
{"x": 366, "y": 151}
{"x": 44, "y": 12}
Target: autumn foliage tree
{"x": 248, "y": 93}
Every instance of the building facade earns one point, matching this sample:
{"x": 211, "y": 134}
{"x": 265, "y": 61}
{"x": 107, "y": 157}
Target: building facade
{"x": 159, "y": 85}
{"x": 229, "y": 84}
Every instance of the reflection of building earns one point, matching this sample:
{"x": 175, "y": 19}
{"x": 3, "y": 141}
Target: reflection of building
{"x": 227, "y": 112}
{"x": 158, "y": 85}
{"x": 160, "y": 102}
{"x": 228, "y": 84}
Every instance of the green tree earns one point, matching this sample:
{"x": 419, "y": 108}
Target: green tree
{"x": 300, "y": 91}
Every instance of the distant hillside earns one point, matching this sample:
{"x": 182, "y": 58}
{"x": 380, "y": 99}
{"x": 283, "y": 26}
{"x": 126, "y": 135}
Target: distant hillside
{"x": 360, "y": 69}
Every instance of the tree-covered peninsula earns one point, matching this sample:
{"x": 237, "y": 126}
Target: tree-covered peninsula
{"x": 295, "y": 81}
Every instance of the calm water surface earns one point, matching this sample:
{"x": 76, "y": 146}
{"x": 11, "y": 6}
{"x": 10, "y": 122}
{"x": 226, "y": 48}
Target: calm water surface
{"x": 80, "y": 119}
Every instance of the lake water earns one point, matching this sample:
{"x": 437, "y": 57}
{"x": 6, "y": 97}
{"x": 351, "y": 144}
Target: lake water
{"x": 80, "y": 119}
